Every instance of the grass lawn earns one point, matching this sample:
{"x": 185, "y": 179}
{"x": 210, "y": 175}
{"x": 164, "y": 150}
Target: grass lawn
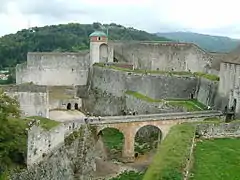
{"x": 45, "y": 123}
{"x": 129, "y": 175}
{"x": 172, "y": 154}
{"x": 217, "y": 159}
{"x": 176, "y": 73}
{"x": 188, "y": 104}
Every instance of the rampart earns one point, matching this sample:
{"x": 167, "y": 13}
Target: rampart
{"x": 33, "y": 99}
{"x": 207, "y": 91}
{"x": 74, "y": 158}
{"x": 42, "y": 142}
{"x": 140, "y": 106}
{"x": 54, "y": 69}
{"x": 156, "y": 86}
{"x": 218, "y": 130}
{"x": 164, "y": 56}
{"x": 60, "y": 96}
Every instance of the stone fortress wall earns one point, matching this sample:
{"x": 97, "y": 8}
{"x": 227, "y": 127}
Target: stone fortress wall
{"x": 41, "y": 142}
{"x": 56, "y": 157}
{"x": 206, "y": 92}
{"x": 218, "y": 130}
{"x": 54, "y": 69}
{"x": 111, "y": 86}
{"x": 33, "y": 99}
{"x": 72, "y": 69}
{"x": 163, "y": 56}
{"x": 229, "y": 87}
{"x": 154, "y": 86}
{"x": 61, "y": 96}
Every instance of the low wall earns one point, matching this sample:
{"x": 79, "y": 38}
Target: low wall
{"x": 221, "y": 130}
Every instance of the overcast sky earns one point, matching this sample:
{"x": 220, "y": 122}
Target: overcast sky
{"x": 219, "y": 17}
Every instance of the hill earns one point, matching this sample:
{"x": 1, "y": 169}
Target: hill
{"x": 63, "y": 37}
{"x": 207, "y": 42}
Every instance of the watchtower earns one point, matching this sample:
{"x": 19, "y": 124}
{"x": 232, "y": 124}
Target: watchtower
{"x": 98, "y": 47}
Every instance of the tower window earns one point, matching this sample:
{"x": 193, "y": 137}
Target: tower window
{"x": 99, "y": 38}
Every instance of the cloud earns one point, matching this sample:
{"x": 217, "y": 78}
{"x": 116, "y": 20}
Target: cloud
{"x": 217, "y": 17}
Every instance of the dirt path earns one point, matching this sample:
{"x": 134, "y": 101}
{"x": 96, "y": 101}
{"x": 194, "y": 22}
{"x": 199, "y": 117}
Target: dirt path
{"x": 63, "y": 116}
{"x": 109, "y": 169}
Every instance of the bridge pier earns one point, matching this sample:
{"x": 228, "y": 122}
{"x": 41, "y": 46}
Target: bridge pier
{"x": 128, "y": 148}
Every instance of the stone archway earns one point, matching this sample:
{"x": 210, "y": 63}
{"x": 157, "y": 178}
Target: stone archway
{"x": 113, "y": 140}
{"x": 76, "y": 106}
{"x": 147, "y": 139}
{"x": 69, "y": 106}
{"x": 103, "y": 53}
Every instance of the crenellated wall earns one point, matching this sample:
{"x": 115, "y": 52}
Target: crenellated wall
{"x": 54, "y": 69}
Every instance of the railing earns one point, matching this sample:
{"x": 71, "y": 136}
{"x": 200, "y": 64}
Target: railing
{"x": 157, "y": 117}
{"x": 147, "y": 117}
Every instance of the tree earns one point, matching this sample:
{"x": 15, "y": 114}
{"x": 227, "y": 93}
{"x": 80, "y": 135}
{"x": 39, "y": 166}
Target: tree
{"x": 8, "y": 107}
{"x": 12, "y": 134}
{"x": 65, "y": 37}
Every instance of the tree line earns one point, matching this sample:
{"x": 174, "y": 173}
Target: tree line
{"x": 70, "y": 37}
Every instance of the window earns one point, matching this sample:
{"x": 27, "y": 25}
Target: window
{"x": 99, "y": 38}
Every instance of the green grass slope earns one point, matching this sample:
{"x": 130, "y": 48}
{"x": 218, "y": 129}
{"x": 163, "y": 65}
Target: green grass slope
{"x": 217, "y": 159}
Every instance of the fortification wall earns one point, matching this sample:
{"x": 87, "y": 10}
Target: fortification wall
{"x": 221, "y": 130}
{"x": 33, "y": 99}
{"x": 60, "y": 96}
{"x": 103, "y": 104}
{"x": 63, "y": 103}
{"x": 207, "y": 91}
{"x": 229, "y": 85}
{"x": 163, "y": 56}
{"x": 229, "y": 78}
{"x": 54, "y": 69}
{"x": 75, "y": 158}
{"x": 42, "y": 142}
{"x": 154, "y": 86}
{"x": 140, "y": 106}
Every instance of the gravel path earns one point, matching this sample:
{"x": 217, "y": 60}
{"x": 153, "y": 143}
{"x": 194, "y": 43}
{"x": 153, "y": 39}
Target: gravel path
{"x": 63, "y": 116}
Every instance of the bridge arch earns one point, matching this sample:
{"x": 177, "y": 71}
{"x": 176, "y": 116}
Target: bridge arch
{"x": 147, "y": 138}
{"x": 113, "y": 139}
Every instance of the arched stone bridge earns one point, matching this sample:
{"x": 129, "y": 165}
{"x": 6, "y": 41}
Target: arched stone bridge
{"x": 129, "y": 125}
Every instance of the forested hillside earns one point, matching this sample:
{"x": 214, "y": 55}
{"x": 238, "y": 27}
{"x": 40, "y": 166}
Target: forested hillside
{"x": 67, "y": 37}
{"x": 207, "y": 42}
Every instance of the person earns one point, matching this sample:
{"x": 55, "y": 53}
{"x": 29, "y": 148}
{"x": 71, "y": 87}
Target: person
{"x": 99, "y": 118}
{"x": 208, "y": 107}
